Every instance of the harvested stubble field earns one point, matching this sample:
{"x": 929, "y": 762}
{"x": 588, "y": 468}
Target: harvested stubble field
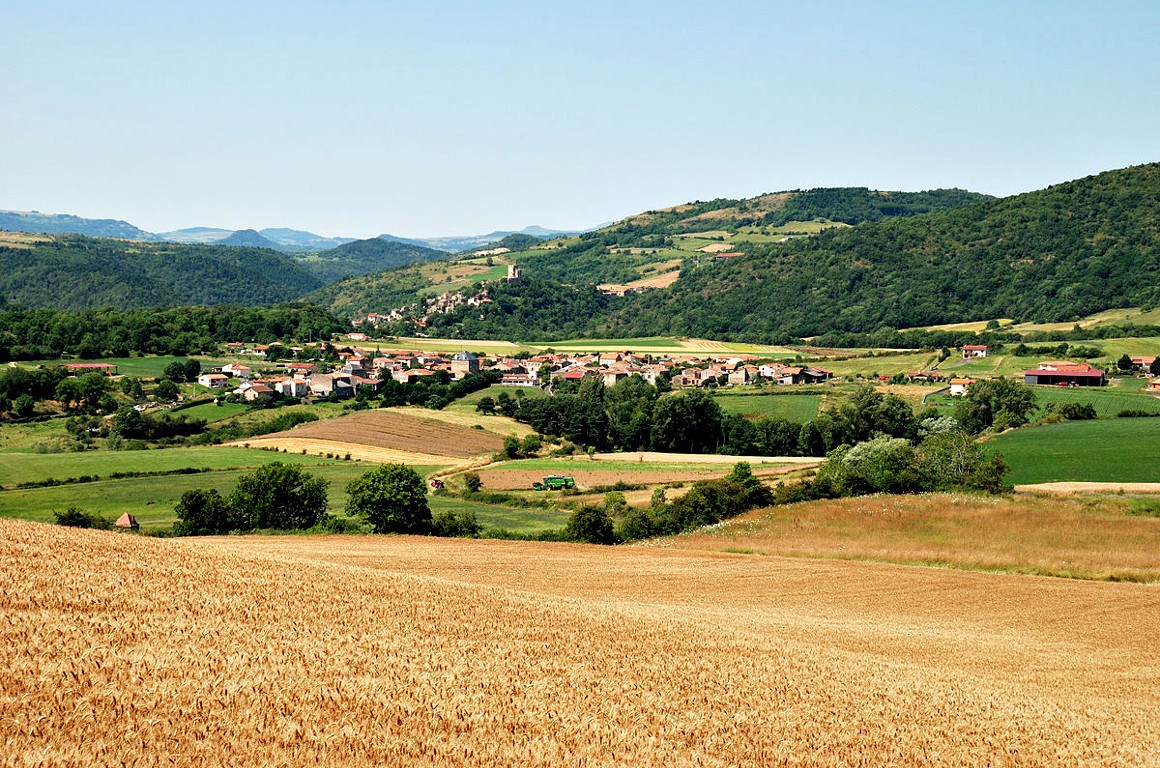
{"x": 404, "y": 651}
{"x": 1094, "y": 538}
{"x": 521, "y": 475}
{"x": 388, "y": 434}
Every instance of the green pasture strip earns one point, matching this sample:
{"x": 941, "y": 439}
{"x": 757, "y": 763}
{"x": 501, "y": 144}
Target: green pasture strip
{"x": 152, "y": 499}
{"x": 34, "y": 467}
{"x": 417, "y": 344}
{"x": 211, "y": 412}
{"x": 151, "y": 367}
{"x": 1103, "y": 450}
{"x": 521, "y": 520}
{"x": 1107, "y": 402}
{"x": 991, "y": 366}
{"x": 797, "y": 407}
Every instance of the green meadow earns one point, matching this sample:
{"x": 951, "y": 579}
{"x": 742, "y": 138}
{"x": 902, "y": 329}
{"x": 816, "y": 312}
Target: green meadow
{"x": 35, "y": 467}
{"x": 519, "y": 520}
{"x": 793, "y": 407}
{"x": 147, "y": 367}
{"x": 152, "y": 499}
{"x": 1102, "y": 450}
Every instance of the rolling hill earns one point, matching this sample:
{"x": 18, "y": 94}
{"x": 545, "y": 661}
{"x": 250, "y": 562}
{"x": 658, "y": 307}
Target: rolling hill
{"x": 1054, "y": 255}
{"x": 656, "y": 242}
{"x": 61, "y": 223}
{"x": 463, "y": 243}
{"x": 75, "y": 272}
{"x": 361, "y": 257}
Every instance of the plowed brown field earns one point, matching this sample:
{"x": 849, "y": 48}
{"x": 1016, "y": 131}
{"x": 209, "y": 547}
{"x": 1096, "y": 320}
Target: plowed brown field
{"x": 392, "y": 430}
{"x": 401, "y": 651}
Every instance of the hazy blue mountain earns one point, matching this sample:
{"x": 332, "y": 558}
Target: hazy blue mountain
{"x": 299, "y": 240}
{"x": 63, "y": 223}
{"x": 461, "y": 243}
{"x": 249, "y": 238}
{"x": 196, "y": 235}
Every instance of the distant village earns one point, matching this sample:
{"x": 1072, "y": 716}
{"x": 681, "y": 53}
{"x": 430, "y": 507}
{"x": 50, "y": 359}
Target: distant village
{"x": 358, "y": 370}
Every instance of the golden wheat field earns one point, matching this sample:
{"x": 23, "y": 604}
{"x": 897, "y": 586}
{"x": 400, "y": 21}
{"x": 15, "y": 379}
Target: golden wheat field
{"x": 403, "y": 651}
{"x": 1088, "y": 538}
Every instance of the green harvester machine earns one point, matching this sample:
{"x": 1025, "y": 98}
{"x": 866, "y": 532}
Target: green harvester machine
{"x": 554, "y": 483}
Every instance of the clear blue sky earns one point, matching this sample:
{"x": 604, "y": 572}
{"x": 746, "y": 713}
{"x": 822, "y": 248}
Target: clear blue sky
{"x": 442, "y": 118}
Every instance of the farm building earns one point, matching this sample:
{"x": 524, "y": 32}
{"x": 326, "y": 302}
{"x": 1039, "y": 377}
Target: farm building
{"x": 127, "y": 521}
{"x": 974, "y": 350}
{"x": 959, "y": 386}
{"x": 1065, "y": 374}
{"x": 519, "y": 380}
{"x": 106, "y": 368}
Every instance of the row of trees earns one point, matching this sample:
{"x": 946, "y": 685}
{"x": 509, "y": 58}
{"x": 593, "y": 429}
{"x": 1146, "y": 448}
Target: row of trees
{"x": 633, "y": 416}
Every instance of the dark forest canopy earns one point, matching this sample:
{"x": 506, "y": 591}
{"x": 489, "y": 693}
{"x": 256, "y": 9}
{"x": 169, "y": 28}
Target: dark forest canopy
{"x": 33, "y": 334}
{"x": 76, "y": 272}
{"x": 1055, "y": 255}
{"x": 362, "y": 257}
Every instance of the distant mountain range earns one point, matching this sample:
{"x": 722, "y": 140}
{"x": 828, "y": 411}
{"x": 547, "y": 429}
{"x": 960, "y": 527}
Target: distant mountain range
{"x": 474, "y": 242}
{"x": 63, "y": 223}
{"x": 276, "y": 238}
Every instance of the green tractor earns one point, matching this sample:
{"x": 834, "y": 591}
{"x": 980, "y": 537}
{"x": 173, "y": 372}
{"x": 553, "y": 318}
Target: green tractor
{"x": 554, "y": 483}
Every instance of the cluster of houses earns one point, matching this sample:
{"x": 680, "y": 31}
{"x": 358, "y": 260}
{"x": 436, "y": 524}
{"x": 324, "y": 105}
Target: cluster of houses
{"x": 358, "y": 372}
{"x": 444, "y": 303}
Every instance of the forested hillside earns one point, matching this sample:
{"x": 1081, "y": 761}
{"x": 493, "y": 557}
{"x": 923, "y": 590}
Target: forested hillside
{"x": 641, "y": 244}
{"x": 1053, "y": 255}
{"x": 77, "y": 272}
{"x": 33, "y": 334}
{"x": 362, "y": 257}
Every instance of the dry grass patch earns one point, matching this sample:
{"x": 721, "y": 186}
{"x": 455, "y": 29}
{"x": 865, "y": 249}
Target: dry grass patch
{"x": 1024, "y": 534}
{"x": 588, "y": 474}
{"x": 22, "y": 240}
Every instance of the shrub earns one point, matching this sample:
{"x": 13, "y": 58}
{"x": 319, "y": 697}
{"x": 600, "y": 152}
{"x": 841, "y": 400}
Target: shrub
{"x": 203, "y": 513}
{"x": 392, "y": 498}
{"x": 74, "y": 517}
{"x": 452, "y": 525}
{"x": 591, "y": 525}
{"x": 472, "y": 481}
{"x": 279, "y": 496}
